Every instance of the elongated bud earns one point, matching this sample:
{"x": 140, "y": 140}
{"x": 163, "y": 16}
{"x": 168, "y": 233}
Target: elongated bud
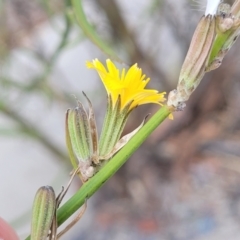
{"x": 194, "y": 66}
{"x": 79, "y": 132}
{"x": 82, "y": 140}
{"x": 43, "y": 212}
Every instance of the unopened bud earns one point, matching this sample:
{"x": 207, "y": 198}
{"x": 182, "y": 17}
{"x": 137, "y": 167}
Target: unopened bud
{"x": 79, "y": 131}
{"x": 43, "y": 212}
{"x": 81, "y": 138}
{"x": 194, "y": 66}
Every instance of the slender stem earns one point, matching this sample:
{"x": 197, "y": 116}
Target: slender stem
{"x": 90, "y": 31}
{"x": 90, "y": 187}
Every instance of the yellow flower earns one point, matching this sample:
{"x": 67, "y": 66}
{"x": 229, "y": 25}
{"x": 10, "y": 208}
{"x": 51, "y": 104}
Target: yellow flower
{"x": 130, "y": 85}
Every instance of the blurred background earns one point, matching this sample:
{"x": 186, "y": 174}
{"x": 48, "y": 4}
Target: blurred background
{"x": 184, "y": 181}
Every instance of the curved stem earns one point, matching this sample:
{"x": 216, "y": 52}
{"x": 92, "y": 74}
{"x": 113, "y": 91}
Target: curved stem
{"x": 89, "y": 31}
{"x": 95, "y": 183}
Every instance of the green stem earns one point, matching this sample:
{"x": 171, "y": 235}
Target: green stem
{"x": 91, "y": 186}
{"x": 89, "y": 31}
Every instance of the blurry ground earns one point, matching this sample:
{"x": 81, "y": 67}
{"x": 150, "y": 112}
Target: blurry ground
{"x": 182, "y": 184}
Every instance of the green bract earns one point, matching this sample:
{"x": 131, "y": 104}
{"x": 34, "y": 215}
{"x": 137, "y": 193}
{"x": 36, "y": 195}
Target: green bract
{"x": 81, "y": 138}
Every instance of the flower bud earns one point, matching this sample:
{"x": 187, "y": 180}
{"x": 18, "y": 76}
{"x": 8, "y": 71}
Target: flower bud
{"x": 43, "y": 212}
{"x": 79, "y": 132}
{"x": 194, "y": 66}
{"x": 81, "y": 138}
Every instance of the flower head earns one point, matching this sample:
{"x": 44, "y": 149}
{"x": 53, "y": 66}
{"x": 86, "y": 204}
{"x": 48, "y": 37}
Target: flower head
{"x": 129, "y": 86}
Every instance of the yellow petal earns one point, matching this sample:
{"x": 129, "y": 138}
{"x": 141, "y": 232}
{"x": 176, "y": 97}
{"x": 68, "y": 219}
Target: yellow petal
{"x": 129, "y": 85}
